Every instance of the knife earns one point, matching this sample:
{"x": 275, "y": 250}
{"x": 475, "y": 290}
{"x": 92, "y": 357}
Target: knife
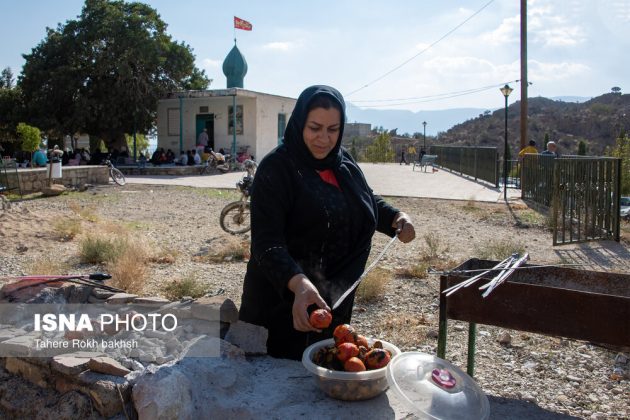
{"x": 362, "y": 276}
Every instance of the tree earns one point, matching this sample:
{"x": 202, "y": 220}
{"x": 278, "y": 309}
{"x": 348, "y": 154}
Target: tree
{"x": 6, "y": 79}
{"x": 31, "y": 137}
{"x": 142, "y": 143}
{"x": 622, "y": 150}
{"x": 616, "y": 89}
{"x": 104, "y": 72}
{"x": 581, "y": 148}
{"x": 380, "y": 150}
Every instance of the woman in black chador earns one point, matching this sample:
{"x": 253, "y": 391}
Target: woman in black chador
{"x": 313, "y": 217}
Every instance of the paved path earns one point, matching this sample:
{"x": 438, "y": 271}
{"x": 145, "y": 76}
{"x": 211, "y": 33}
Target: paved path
{"x": 385, "y": 179}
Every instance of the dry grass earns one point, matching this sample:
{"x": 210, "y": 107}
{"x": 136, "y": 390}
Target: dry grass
{"x": 500, "y": 250}
{"x": 97, "y": 248}
{"x": 418, "y": 271}
{"x": 85, "y": 212}
{"x": 129, "y": 270}
{"x": 231, "y": 249}
{"x": 188, "y": 286}
{"x": 67, "y": 229}
{"x": 48, "y": 266}
{"x": 406, "y": 329}
{"x": 373, "y": 286}
{"x": 164, "y": 256}
{"x": 434, "y": 247}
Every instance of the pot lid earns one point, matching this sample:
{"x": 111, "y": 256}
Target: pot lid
{"x": 435, "y": 389}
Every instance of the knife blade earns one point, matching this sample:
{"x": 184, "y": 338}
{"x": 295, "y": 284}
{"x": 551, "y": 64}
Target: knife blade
{"x": 362, "y": 276}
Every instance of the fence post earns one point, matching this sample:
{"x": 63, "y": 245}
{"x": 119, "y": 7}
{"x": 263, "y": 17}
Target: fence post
{"x": 475, "y": 164}
{"x": 617, "y": 207}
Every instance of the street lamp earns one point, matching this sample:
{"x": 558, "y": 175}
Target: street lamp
{"x": 505, "y": 90}
{"x": 424, "y": 123}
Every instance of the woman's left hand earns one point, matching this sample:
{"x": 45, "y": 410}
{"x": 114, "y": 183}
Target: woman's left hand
{"x": 404, "y": 227}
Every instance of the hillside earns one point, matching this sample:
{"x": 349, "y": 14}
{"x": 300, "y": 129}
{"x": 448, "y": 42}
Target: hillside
{"x": 597, "y": 122}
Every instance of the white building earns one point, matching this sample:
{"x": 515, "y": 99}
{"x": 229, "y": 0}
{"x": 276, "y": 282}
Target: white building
{"x": 260, "y": 119}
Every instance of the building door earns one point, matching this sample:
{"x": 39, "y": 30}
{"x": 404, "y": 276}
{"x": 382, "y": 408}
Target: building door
{"x": 205, "y": 121}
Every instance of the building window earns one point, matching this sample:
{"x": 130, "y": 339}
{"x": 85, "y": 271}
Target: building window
{"x": 282, "y": 125}
{"x": 203, "y": 109}
{"x": 172, "y": 121}
{"x": 239, "y": 119}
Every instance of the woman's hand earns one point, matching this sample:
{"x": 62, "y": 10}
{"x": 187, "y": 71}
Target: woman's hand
{"x": 404, "y": 227}
{"x": 306, "y": 294}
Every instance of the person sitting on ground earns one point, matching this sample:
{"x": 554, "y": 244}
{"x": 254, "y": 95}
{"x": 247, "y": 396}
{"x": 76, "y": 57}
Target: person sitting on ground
{"x": 85, "y": 157}
{"x": 530, "y": 148}
{"x": 196, "y": 157}
{"x": 155, "y": 158}
{"x": 552, "y": 149}
{"x": 183, "y": 159}
{"x": 39, "y": 158}
{"x": 206, "y": 155}
{"x": 170, "y": 156}
{"x": 191, "y": 159}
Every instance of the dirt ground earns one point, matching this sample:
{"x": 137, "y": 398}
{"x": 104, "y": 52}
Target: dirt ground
{"x": 556, "y": 377}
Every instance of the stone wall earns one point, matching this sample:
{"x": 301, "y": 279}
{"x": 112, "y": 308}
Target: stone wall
{"x": 34, "y": 179}
{"x": 163, "y": 170}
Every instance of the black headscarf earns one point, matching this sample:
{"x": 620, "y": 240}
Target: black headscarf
{"x": 294, "y": 138}
{"x": 346, "y": 170}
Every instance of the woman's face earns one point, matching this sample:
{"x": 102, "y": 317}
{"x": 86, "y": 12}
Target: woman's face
{"x": 321, "y": 131}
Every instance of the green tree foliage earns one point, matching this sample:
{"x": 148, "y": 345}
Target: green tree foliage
{"x": 616, "y": 89}
{"x": 6, "y": 79}
{"x": 546, "y": 140}
{"x": 380, "y": 150}
{"x": 581, "y": 148}
{"x": 622, "y": 150}
{"x": 104, "y": 72}
{"x": 10, "y": 113}
{"x": 31, "y": 137}
{"x": 142, "y": 143}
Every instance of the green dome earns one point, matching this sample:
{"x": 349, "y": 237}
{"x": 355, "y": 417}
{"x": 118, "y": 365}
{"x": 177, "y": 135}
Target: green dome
{"x": 235, "y": 68}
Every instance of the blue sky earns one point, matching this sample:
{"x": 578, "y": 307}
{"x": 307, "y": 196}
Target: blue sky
{"x": 576, "y": 47}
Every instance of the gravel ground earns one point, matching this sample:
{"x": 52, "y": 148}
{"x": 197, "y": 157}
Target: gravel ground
{"x": 559, "y": 376}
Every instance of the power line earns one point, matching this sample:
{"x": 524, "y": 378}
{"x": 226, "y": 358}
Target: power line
{"x": 433, "y": 98}
{"x": 421, "y": 52}
{"x": 471, "y": 90}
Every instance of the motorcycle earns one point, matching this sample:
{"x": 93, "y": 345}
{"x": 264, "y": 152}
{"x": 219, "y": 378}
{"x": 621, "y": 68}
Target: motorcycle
{"x": 235, "y": 217}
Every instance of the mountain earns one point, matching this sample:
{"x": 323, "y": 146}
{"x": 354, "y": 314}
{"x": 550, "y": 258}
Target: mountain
{"x": 411, "y": 122}
{"x": 597, "y": 122}
{"x": 578, "y": 99}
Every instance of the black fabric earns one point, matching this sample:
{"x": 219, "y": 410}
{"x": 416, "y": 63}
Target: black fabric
{"x": 301, "y": 224}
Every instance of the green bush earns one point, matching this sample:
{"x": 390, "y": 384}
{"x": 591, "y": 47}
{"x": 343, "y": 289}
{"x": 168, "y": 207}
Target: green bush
{"x": 188, "y": 286}
{"x": 95, "y": 249}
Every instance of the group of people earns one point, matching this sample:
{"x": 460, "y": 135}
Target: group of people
{"x": 551, "y": 149}
{"x": 43, "y": 155}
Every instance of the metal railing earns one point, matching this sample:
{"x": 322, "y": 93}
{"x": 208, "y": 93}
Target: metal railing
{"x": 477, "y": 162}
{"x": 583, "y": 193}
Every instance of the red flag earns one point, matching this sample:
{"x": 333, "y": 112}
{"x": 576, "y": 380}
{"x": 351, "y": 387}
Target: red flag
{"x": 242, "y": 24}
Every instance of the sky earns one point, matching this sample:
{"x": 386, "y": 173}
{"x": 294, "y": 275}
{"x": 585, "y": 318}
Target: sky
{"x": 441, "y": 54}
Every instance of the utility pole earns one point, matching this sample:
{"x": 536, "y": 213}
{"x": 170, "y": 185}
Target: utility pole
{"x": 524, "y": 82}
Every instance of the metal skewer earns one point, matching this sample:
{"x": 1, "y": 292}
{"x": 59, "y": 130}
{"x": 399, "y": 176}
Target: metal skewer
{"x": 362, "y": 276}
{"x": 495, "y": 268}
{"x": 500, "y": 279}
{"x": 472, "y": 280}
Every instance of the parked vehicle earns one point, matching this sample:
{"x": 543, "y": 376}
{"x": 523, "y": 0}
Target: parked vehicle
{"x": 116, "y": 175}
{"x": 624, "y": 211}
{"x": 235, "y": 217}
